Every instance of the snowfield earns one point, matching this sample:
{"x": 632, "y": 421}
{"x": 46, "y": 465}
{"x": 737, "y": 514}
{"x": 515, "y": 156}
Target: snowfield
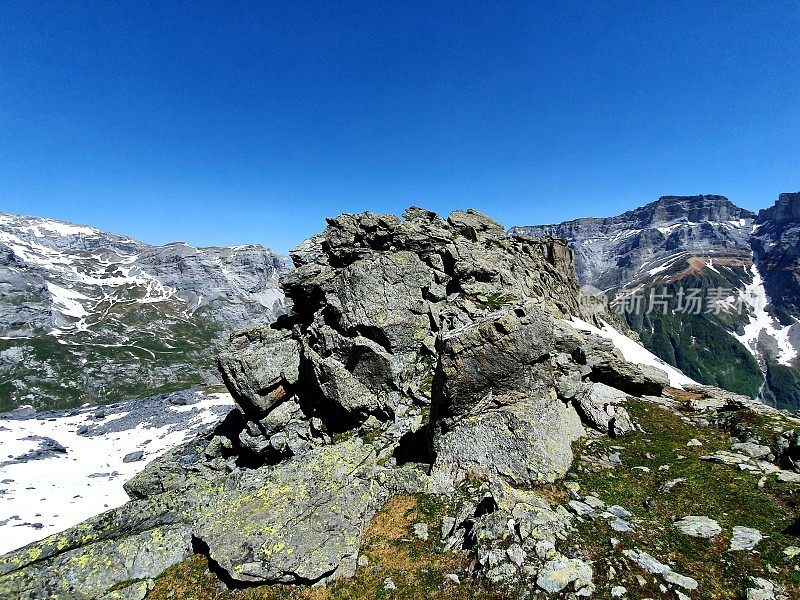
{"x": 60, "y": 468}
{"x": 762, "y": 324}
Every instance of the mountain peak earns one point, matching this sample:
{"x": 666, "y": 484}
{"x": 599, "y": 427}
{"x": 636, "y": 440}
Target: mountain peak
{"x": 786, "y": 209}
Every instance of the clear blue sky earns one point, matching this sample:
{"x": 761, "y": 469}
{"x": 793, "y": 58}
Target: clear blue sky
{"x": 234, "y": 122}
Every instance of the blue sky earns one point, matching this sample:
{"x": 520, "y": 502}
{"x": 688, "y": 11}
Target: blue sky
{"x": 234, "y": 122}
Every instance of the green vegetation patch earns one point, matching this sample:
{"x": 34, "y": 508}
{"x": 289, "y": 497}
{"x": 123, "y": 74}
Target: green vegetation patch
{"x": 720, "y": 492}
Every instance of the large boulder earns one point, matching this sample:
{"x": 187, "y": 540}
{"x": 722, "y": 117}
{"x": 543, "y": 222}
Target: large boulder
{"x": 259, "y": 366}
{"x": 495, "y": 411}
{"x": 525, "y": 443}
{"x": 607, "y": 365}
{"x": 134, "y": 542}
{"x": 495, "y": 355}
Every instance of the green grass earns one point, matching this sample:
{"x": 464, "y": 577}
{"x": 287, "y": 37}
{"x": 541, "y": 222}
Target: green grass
{"x": 720, "y": 492}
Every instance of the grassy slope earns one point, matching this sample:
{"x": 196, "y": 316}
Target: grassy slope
{"x": 730, "y": 496}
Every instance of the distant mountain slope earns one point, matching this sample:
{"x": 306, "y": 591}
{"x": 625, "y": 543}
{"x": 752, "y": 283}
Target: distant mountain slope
{"x": 654, "y": 262}
{"x": 87, "y": 315}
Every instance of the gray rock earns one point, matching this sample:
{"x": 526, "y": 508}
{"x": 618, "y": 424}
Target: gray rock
{"x": 557, "y": 574}
{"x": 299, "y": 521}
{"x": 620, "y": 525}
{"x": 763, "y": 590}
{"x": 752, "y": 450}
{"x": 619, "y": 511}
{"x": 525, "y": 443}
{"x": 646, "y": 561}
{"x": 652, "y": 565}
{"x": 421, "y": 531}
{"x": 259, "y": 366}
{"x": 745, "y": 538}
{"x": 698, "y": 526}
{"x": 133, "y": 456}
{"x": 496, "y": 355}
{"x": 516, "y": 554}
{"x": 682, "y": 580}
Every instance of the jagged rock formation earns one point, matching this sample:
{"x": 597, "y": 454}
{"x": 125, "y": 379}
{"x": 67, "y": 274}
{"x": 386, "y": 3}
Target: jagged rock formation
{"x": 741, "y": 333}
{"x": 71, "y": 297}
{"x": 423, "y": 355}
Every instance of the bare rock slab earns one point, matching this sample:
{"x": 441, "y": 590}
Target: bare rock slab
{"x": 297, "y": 522}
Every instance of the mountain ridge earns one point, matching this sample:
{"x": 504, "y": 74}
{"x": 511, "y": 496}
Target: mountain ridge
{"x": 73, "y": 293}
{"x": 707, "y": 243}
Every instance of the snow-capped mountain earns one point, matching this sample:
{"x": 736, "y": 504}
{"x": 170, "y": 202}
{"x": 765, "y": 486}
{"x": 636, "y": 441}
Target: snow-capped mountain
{"x": 87, "y": 315}
{"x": 710, "y": 287}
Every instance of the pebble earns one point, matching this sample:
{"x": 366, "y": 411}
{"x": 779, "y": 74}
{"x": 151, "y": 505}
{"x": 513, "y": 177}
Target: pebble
{"x": 421, "y": 531}
{"x": 388, "y": 584}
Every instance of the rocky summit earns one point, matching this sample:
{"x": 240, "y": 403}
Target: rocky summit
{"x": 442, "y": 409}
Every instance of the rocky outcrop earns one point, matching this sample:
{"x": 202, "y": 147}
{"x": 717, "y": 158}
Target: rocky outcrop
{"x": 422, "y": 355}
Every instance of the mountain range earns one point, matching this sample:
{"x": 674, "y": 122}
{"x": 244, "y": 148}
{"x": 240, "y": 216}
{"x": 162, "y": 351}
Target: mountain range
{"x": 91, "y": 316}
{"x": 709, "y": 287}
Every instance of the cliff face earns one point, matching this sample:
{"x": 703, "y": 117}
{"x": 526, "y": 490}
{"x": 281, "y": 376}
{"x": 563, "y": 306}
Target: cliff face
{"x": 616, "y": 251}
{"x": 776, "y": 242}
{"x": 436, "y": 358}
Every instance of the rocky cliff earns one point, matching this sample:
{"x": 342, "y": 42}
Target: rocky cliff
{"x": 442, "y": 361}
{"x": 90, "y": 316}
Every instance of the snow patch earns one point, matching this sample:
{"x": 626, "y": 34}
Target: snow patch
{"x": 66, "y": 301}
{"x": 41, "y": 497}
{"x": 633, "y": 352}
{"x": 762, "y": 324}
